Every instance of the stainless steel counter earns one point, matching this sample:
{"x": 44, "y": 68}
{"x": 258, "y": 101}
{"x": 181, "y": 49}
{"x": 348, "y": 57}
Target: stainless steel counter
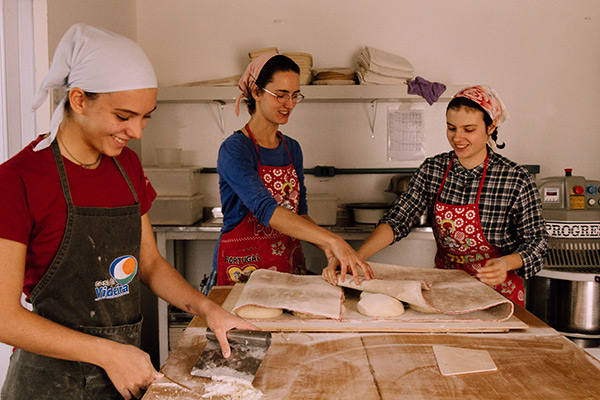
{"x": 208, "y": 229}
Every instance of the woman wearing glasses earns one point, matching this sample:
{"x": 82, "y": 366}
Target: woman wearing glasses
{"x": 261, "y": 181}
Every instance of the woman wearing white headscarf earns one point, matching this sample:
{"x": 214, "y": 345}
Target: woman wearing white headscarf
{"x": 75, "y": 236}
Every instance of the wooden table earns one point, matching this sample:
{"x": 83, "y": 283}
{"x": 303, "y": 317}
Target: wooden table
{"x": 536, "y": 363}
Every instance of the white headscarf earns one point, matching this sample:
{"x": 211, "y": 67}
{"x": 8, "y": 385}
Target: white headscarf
{"x": 96, "y": 61}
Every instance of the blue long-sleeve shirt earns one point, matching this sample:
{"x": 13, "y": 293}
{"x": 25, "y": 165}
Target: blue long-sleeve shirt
{"x": 241, "y": 188}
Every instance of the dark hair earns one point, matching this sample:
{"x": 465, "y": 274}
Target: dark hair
{"x": 278, "y": 63}
{"x": 458, "y": 102}
{"x": 89, "y": 95}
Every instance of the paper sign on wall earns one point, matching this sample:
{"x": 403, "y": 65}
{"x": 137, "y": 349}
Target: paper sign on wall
{"x": 405, "y": 135}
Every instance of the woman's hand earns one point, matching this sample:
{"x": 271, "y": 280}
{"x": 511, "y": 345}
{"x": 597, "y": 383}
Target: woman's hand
{"x": 304, "y": 228}
{"x": 129, "y": 369}
{"x": 221, "y": 321}
{"x": 330, "y": 271}
{"x": 343, "y": 254}
{"x": 494, "y": 272}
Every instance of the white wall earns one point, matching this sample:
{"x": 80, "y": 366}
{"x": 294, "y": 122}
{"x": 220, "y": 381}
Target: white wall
{"x": 542, "y": 56}
{"x": 116, "y": 15}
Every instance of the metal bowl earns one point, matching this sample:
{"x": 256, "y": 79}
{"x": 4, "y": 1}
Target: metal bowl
{"x": 368, "y": 213}
{"x": 571, "y": 306}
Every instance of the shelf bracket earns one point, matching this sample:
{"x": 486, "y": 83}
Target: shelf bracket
{"x": 373, "y": 117}
{"x": 220, "y": 106}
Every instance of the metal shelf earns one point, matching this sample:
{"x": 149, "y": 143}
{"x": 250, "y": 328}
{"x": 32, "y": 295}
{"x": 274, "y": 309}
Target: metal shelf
{"x": 374, "y": 94}
{"x": 313, "y": 93}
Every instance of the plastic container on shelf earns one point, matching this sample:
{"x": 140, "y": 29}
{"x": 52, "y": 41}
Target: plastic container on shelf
{"x": 182, "y": 181}
{"x": 176, "y": 210}
{"x": 322, "y": 208}
{"x": 168, "y": 157}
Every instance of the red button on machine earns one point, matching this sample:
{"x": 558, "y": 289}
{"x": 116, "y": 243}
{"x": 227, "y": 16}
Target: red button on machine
{"x": 578, "y": 190}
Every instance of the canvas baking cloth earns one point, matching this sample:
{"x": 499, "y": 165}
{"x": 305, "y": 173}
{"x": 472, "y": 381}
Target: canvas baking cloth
{"x": 439, "y": 290}
{"x": 308, "y": 294}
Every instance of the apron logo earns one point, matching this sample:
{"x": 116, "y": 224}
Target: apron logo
{"x": 122, "y": 271}
{"x": 239, "y": 275}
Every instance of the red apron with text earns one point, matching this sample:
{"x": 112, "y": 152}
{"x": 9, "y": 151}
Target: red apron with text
{"x": 252, "y": 245}
{"x": 461, "y": 243}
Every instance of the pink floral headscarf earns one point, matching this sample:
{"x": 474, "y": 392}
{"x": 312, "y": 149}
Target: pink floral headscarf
{"x": 249, "y": 77}
{"x": 489, "y": 100}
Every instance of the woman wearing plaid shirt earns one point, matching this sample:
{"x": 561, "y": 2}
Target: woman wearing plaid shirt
{"x": 484, "y": 209}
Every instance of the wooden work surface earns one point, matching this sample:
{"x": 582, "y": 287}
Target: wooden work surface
{"x": 535, "y": 363}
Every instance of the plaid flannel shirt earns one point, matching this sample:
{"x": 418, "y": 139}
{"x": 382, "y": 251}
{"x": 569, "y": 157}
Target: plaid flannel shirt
{"x": 509, "y": 207}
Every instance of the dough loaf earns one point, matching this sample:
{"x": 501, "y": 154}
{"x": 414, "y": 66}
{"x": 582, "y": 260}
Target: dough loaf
{"x": 380, "y": 306}
{"x": 256, "y": 312}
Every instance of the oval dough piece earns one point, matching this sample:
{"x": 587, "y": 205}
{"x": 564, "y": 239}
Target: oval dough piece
{"x": 256, "y": 312}
{"x": 380, "y": 305}
{"x": 420, "y": 309}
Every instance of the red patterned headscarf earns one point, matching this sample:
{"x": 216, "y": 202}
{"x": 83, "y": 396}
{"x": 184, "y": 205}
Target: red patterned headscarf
{"x": 489, "y": 100}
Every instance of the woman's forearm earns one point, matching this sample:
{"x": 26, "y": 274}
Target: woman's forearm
{"x": 380, "y": 238}
{"x": 300, "y": 227}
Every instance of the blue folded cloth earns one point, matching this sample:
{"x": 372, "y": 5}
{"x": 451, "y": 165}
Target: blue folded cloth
{"x": 430, "y": 91}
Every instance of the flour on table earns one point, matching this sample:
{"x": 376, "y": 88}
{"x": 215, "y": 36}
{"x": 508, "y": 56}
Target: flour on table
{"x": 231, "y": 389}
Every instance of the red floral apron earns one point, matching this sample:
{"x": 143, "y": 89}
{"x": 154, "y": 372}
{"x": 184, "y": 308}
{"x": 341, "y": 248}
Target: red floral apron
{"x": 461, "y": 243}
{"x": 252, "y": 245}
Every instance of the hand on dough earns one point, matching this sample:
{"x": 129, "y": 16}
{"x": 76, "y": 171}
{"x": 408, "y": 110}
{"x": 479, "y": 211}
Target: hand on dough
{"x": 494, "y": 272}
{"x": 329, "y": 272}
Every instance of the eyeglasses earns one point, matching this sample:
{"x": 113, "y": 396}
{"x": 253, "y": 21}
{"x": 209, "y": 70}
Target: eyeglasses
{"x": 284, "y": 98}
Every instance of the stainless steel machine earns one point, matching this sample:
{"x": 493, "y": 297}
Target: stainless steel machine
{"x": 566, "y": 293}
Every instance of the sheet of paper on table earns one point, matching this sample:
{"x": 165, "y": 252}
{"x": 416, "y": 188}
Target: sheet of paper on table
{"x": 456, "y": 361}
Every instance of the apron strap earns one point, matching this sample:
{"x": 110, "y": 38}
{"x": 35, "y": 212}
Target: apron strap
{"x": 444, "y": 180}
{"x": 62, "y": 173}
{"x": 256, "y": 144}
{"x": 480, "y": 183}
{"x": 64, "y": 182}
{"x": 482, "y": 178}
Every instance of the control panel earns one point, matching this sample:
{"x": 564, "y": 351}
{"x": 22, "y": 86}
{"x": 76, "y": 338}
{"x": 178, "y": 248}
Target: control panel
{"x": 571, "y": 206}
{"x": 569, "y": 192}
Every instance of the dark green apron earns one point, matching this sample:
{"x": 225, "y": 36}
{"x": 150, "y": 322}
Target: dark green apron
{"x": 92, "y": 286}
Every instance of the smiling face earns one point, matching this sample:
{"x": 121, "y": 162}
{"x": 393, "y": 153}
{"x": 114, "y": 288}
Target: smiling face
{"x": 267, "y": 105}
{"x": 468, "y": 135}
{"x": 108, "y": 122}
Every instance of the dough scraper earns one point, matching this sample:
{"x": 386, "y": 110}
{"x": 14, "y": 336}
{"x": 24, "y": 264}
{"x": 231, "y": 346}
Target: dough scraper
{"x": 248, "y": 349}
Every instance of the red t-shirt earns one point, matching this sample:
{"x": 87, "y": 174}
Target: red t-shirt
{"x": 33, "y": 208}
